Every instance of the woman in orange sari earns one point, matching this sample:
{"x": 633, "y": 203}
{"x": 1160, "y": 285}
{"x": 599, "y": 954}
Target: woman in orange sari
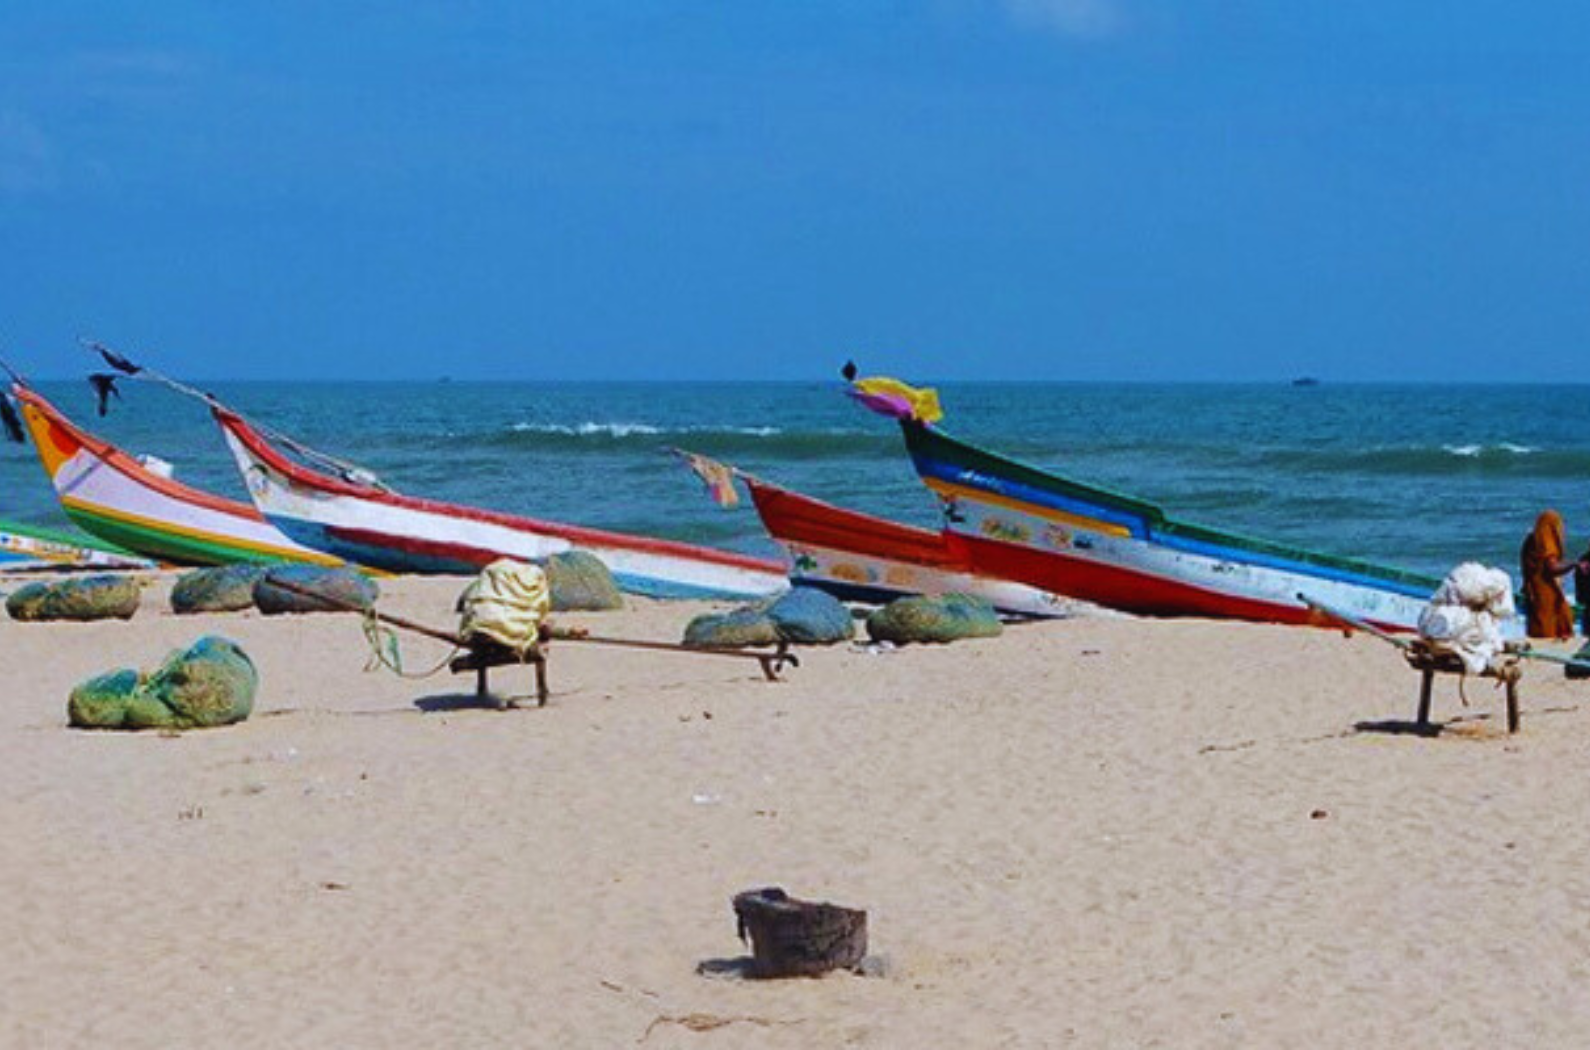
{"x": 1545, "y": 606}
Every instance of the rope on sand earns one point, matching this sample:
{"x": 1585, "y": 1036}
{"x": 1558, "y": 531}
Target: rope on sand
{"x": 386, "y": 652}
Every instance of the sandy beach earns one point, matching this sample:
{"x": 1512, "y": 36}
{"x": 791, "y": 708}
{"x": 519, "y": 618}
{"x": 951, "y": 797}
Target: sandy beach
{"x": 1095, "y": 832}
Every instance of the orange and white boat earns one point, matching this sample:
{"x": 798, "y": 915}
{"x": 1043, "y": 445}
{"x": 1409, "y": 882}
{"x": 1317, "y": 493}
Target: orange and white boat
{"x": 114, "y": 496}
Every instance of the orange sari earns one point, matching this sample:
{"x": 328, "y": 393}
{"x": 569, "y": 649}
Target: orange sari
{"x": 1548, "y": 613}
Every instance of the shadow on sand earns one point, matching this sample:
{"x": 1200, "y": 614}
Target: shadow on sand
{"x": 740, "y": 967}
{"x": 442, "y": 703}
{"x": 1398, "y": 727}
{"x": 1466, "y": 726}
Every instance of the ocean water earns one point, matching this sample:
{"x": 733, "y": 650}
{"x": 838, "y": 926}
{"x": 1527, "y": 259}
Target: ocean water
{"x": 1420, "y": 477}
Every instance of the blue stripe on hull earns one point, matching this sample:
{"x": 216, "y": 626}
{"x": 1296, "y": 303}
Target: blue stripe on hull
{"x": 316, "y": 537}
{"x": 1015, "y": 490}
{"x": 388, "y": 559}
{"x": 652, "y": 587}
{"x": 853, "y": 592}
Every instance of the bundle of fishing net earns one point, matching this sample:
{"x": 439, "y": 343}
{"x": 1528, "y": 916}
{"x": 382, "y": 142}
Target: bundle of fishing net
{"x": 1466, "y": 613}
{"x": 104, "y": 597}
{"x": 741, "y": 628}
{"x": 582, "y": 582}
{"x": 933, "y": 620}
{"x": 807, "y": 616}
{"x": 221, "y": 588}
{"x": 507, "y": 604}
{"x": 313, "y": 588}
{"x": 799, "y": 616}
{"x": 211, "y": 683}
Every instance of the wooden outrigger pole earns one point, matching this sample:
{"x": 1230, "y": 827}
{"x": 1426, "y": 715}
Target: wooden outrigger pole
{"x": 1354, "y": 623}
{"x": 1516, "y": 649}
{"x": 479, "y": 657}
{"x": 1506, "y": 669}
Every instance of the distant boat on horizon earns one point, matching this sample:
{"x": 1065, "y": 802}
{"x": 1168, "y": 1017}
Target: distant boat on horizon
{"x": 1305, "y": 381}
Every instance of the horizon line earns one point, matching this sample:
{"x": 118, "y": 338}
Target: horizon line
{"x": 1315, "y": 382}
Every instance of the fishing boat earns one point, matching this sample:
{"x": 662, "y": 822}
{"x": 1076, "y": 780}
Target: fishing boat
{"x": 25, "y": 548}
{"x": 352, "y": 516}
{"x": 119, "y": 499}
{"x": 1017, "y": 522}
{"x": 860, "y": 558}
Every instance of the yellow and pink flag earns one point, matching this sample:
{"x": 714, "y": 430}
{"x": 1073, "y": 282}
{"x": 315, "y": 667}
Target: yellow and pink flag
{"x": 890, "y": 397}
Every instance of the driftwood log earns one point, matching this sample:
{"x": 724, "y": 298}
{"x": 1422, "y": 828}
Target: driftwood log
{"x": 795, "y": 938}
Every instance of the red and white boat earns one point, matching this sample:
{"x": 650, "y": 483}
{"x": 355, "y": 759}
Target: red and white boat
{"x": 350, "y": 517}
{"x": 1018, "y": 522}
{"x": 860, "y": 558}
{"x": 1045, "y": 530}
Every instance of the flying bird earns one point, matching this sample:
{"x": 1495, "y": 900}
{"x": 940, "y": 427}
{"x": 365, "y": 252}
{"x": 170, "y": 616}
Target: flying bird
{"x": 8, "y": 417}
{"x": 104, "y": 385}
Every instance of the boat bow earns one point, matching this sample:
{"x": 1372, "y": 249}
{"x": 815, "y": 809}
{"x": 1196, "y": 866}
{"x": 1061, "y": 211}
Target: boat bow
{"x": 110, "y": 494}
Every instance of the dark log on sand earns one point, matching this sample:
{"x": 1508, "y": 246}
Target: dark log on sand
{"x": 794, "y": 938}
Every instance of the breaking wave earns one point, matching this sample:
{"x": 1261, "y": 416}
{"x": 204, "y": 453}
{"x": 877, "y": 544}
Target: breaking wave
{"x": 718, "y": 440}
{"x": 1472, "y": 451}
{"x": 1501, "y": 459}
{"x": 624, "y": 430}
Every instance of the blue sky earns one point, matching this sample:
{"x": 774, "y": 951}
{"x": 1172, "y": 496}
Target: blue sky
{"x": 1057, "y": 189}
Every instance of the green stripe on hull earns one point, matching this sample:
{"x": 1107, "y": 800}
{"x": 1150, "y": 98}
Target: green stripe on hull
{"x": 166, "y": 545}
{"x": 920, "y": 439}
{"x": 63, "y": 537}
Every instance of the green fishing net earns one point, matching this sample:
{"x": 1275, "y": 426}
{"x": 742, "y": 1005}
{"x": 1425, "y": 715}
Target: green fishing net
{"x": 102, "y": 597}
{"x": 211, "y": 683}
{"x": 947, "y": 618}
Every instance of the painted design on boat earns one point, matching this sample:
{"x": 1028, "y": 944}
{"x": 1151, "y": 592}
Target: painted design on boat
{"x": 857, "y": 557}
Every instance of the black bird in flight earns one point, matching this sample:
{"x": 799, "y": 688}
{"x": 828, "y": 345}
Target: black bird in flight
{"x": 8, "y": 417}
{"x": 104, "y": 385}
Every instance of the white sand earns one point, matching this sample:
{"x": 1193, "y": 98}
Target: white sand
{"x": 1089, "y": 833}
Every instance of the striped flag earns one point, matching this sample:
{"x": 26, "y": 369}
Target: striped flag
{"x": 717, "y": 477}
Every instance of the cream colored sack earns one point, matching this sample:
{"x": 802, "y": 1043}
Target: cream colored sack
{"x": 1466, "y": 613}
{"x": 507, "y": 603}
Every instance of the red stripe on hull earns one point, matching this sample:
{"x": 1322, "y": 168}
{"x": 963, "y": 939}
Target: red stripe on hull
{"x": 1120, "y": 588}
{"x": 794, "y": 518}
{"x": 411, "y": 545}
{"x": 68, "y": 434}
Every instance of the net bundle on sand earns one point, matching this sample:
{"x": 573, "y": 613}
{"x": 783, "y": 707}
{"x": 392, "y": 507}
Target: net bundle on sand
{"x": 83, "y": 598}
{"x": 211, "y": 683}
